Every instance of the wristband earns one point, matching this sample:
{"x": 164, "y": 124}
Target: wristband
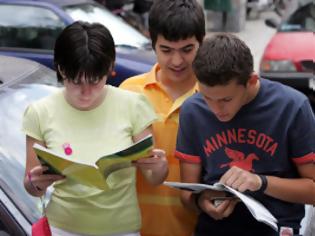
{"x": 196, "y": 200}
{"x": 264, "y": 184}
{"x": 29, "y": 176}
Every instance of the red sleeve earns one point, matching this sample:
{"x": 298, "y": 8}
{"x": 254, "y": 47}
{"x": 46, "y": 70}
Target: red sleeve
{"x": 187, "y": 158}
{"x": 307, "y": 159}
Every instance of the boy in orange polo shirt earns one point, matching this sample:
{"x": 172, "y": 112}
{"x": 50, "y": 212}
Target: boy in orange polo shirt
{"x": 177, "y": 28}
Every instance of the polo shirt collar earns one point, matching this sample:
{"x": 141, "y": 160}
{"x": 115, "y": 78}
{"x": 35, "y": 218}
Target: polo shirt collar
{"x": 151, "y": 76}
{"x": 179, "y": 101}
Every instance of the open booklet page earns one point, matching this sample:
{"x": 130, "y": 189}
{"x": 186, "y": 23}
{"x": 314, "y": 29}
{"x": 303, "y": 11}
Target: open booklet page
{"x": 259, "y": 211}
{"x": 92, "y": 174}
{"x": 122, "y": 159}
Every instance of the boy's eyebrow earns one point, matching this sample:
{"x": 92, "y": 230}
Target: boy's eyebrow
{"x": 189, "y": 46}
{"x": 220, "y": 99}
{"x": 164, "y": 46}
{"x": 184, "y": 47}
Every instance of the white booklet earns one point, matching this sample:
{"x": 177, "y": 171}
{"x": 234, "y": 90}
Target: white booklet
{"x": 259, "y": 211}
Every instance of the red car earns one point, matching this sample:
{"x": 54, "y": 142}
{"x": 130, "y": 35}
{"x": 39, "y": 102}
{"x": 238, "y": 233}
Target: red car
{"x": 290, "y": 54}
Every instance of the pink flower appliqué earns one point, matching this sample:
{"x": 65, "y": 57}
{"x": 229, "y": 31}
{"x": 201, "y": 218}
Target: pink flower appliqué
{"x": 67, "y": 149}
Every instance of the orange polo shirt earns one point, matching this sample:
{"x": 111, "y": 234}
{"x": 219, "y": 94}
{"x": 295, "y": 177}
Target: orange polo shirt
{"x": 161, "y": 209}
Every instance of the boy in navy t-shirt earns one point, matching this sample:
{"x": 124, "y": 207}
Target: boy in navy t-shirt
{"x": 249, "y": 133}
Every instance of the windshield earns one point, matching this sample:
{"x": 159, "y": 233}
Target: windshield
{"x": 303, "y": 19}
{"x": 123, "y": 34}
{"x": 14, "y": 98}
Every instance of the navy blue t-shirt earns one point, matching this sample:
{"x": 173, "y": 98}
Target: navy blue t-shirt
{"x": 270, "y": 135}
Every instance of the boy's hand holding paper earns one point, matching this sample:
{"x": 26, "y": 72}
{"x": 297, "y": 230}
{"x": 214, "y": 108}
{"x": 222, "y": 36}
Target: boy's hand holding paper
{"x": 217, "y": 204}
{"x": 259, "y": 211}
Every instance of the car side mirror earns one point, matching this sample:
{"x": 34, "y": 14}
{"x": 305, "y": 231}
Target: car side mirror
{"x": 271, "y": 23}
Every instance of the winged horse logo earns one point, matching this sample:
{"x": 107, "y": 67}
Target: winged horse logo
{"x": 238, "y": 159}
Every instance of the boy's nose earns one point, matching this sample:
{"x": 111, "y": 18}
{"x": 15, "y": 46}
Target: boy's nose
{"x": 216, "y": 107}
{"x": 177, "y": 59}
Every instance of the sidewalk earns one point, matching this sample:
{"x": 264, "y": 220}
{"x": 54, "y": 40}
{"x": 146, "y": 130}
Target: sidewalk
{"x": 256, "y": 35}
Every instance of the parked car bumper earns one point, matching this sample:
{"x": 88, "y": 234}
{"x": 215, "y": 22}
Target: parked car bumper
{"x": 298, "y": 80}
{"x": 302, "y": 81}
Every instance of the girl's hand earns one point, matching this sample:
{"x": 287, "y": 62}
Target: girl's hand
{"x": 154, "y": 161}
{"x": 40, "y": 181}
{"x": 154, "y": 166}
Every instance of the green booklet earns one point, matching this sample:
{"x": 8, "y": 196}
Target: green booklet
{"x": 97, "y": 173}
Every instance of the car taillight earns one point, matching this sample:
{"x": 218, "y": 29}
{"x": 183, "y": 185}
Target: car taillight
{"x": 277, "y": 66}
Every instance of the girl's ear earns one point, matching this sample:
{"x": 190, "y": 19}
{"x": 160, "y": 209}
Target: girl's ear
{"x": 61, "y": 72}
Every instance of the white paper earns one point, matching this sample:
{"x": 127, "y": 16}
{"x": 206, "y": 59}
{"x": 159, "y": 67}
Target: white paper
{"x": 259, "y": 211}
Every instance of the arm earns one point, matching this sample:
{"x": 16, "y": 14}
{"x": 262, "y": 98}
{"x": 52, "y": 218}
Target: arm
{"x": 298, "y": 190}
{"x": 302, "y": 140}
{"x": 35, "y": 182}
{"x": 191, "y": 173}
{"x": 154, "y": 168}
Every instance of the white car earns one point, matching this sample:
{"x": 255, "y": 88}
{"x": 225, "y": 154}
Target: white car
{"x": 22, "y": 82}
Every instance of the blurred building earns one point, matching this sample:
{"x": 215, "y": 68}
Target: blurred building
{"x": 225, "y": 15}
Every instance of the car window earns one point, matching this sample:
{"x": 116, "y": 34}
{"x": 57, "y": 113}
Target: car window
{"x": 34, "y": 27}
{"x": 123, "y": 34}
{"x": 303, "y": 19}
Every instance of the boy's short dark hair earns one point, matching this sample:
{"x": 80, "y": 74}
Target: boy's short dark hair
{"x": 84, "y": 49}
{"x": 222, "y": 58}
{"x": 176, "y": 19}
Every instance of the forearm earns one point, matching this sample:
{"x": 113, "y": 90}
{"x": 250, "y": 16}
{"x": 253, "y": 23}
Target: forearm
{"x": 189, "y": 200}
{"x": 301, "y": 190}
{"x": 190, "y": 173}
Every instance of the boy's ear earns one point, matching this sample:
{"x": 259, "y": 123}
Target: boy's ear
{"x": 111, "y": 71}
{"x": 253, "y": 79}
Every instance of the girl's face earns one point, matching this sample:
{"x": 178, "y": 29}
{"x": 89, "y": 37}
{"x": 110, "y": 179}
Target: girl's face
{"x": 84, "y": 95}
